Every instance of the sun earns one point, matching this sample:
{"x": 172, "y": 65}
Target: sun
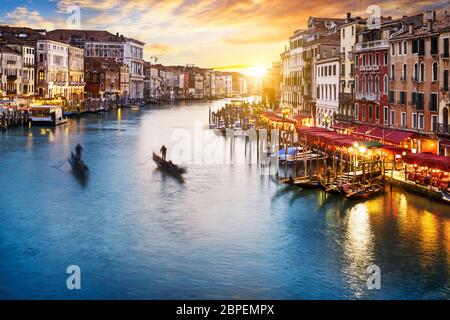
{"x": 257, "y": 72}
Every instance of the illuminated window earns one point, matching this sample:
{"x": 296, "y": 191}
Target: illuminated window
{"x": 41, "y": 75}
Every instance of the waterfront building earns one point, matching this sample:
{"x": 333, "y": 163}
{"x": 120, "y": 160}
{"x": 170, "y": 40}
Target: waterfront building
{"x": 326, "y": 69}
{"x": 11, "y": 65}
{"x": 414, "y": 81}
{"x": 442, "y": 128}
{"x": 124, "y": 82}
{"x": 103, "y": 78}
{"x": 52, "y": 69}
{"x": 75, "y": 92}
{"x": 99, "y": 43}
{"x": 224, "y": 84}
{"x": 28, "y": 56}
{"x": 298, "y": 89}
{"x": 348, "y": 31}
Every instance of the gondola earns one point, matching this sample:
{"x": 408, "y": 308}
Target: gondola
{"x": 445, "y": 195}
{"x": 364, "y": 192}
{"x": 167, "y": 165}
{"x": 305, "y": 182}
{"x": 331, "y": 188}
{"x": 79, "y": 168}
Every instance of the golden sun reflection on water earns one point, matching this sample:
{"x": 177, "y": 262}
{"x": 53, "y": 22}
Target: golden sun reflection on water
{"x": 358, "y": 247}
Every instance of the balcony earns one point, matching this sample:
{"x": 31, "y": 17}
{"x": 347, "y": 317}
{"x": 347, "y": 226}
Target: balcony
{"x": 12, "y": 77}
{"x": 372, "y": 45}
{"x": 345, "y": 118}
{"x": 441, "y": 128}
{"x": 368, "y": 96}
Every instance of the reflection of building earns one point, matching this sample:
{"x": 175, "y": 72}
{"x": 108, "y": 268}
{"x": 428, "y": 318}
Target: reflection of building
{"x": 11, "y": 64}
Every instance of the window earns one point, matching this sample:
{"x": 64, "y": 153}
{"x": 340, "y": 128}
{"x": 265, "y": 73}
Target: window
{"x": 434, "y": 45}
{"x": 386, "y": 115}
{"x": 392, "y": 117}
{"x": 334, "y": 70}
{"x": 400, "y": 47}
{"x": 403, "y": 119}
{"x": 416, "y": 72}
{"x": 356, "y": 111}
{"x": 377, "y": 59}
{"x": 391, "y": 96}
{"x": 41, "y": 75}
{"x": 386, "y": 84}
{"x": 370, "y": 59}
{"x": 370, "y": 112}
{"x": 414, "y": 120}
{"x": 446, "y": 48}
{"x": 434, "y": 122}
{"x": 405, "y": 47}
{"x": 385, "y": 61}
{"x": 393, "y": 49}
{"x": 393, "y": 72}
{"x": 422, "y": 72}
{"x": 404, "y": 72}
{"x": 421, "y": 120}
{"x": 435, "y": 71}
{"x": 433, "y": 102}
{"x": 402, "y": 97}
{"x": 445, "y": 82}
{"x": 343, "y": 33}
{"x": 377, "y": 84}
{"x": 413, "y": 98}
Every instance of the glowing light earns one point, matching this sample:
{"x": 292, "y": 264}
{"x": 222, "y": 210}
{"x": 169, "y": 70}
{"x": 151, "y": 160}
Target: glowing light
{"x": 256, "y": 72}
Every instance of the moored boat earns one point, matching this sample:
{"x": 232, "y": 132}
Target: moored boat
{"x": 364, "y": 192}
{"x": 445, "y": 195}
{"x": 305, "y": 182}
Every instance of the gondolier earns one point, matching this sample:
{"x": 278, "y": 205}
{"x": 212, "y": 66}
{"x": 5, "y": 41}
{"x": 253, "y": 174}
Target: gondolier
{"x": 163, "y": 152}
{"x": 78, "y": 150}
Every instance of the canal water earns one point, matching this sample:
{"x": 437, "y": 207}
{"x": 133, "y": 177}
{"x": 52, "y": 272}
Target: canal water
{"x": 224, "y": 232}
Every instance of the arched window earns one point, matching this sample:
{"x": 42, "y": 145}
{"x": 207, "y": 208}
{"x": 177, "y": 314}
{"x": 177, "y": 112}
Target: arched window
{"x": 370, "y": 85}
{"x": 404, "y": 72}
{"x": 377, "y": 84}
{"x": 435, "y": 71}
{"x": 393, "y": 71}
{"x": 356, "y": 84}
{"x": 416, "y": 72}
{"x": 41, "y": 75}
{"x": 422, "y": 72}
{"x": 386, "y": 84}
{"x": 41, "y": 58}
{"x": 363, "y": 84}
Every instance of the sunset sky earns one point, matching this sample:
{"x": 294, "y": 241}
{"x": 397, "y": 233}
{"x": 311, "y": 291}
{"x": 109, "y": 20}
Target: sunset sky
{"x": 227, "y": 34}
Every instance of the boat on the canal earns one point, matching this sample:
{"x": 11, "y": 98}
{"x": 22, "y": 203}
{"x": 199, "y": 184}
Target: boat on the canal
{"x": 79, "y": 168}
{"x": 363, "y": 192}
{"x": 50, "y": 116}
{"x": 168, "y": 166}
{"x": 308, "y": 182}
{"x": 445, "y": 195}
{"x": 331, "y": 188}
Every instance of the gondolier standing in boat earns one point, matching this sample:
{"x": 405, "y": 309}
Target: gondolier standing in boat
{"x": 78, "y": 150}
{"x": 163, "y": 152}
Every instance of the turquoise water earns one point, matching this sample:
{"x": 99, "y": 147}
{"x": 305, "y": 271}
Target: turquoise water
{"x": 224, "y": 232}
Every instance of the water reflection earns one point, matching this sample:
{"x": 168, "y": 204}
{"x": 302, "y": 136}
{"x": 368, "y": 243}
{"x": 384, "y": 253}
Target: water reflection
{"x": 228, "y": 231}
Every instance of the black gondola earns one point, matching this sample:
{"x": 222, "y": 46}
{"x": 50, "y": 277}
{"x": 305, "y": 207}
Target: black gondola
{"x": 78, "y": 166}
{"x": 167, "y": 165}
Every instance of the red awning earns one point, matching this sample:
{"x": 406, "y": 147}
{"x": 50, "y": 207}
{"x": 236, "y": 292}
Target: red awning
{"x": 363, "y": 129}
{"x": 429, "y": 160}
{"x": 379, "y": 132}
{"x": 397, "y": 136}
